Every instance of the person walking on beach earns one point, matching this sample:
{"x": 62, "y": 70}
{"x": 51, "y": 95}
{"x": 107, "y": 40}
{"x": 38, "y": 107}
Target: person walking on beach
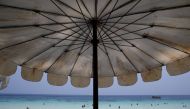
{"x": 119, "y": 107}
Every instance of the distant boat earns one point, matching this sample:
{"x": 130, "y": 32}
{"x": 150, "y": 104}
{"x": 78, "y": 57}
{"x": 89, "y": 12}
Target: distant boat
{"x": 156, "y": 97}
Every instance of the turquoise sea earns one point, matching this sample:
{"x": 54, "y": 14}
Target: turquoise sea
{"x": 105, "y": 102}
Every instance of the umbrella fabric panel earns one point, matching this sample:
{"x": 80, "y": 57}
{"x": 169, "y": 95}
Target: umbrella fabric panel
{"x": 64, "y": 63}
{"x": 80, "y": 82}
{"x": 7, "y": 68}
{"x": 104, "y": 82}
{"x": 22, "y": 52}
{"x": 46, "y": 59}
{"x": 163, "y": 54}
{"x": 34, "y": 4}
{"x": 56, "y": 79}
{"x": 31, "y": 74}
{"x": 14, "y": 36}
{"x": 83, "y": 65}
{"x": 177, "y": 36}
{"x": 127, "y": 79}
{"x": 179, "y": 66}
{"x": 152, "y": 75}
{"x": 104, "y": 66}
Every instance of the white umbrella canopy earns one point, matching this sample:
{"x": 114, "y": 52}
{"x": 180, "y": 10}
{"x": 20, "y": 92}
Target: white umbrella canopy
{"x": 56, "y": 36}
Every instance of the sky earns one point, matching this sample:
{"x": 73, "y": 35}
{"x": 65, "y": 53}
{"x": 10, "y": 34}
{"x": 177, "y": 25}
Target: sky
{"x": 167, "y": 85}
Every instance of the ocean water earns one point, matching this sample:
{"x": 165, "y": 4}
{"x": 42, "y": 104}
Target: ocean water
{"x": 105, "y": 102}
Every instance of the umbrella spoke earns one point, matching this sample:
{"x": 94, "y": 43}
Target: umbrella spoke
{"x": 101, "y": 43}
{"x": 151, "y": 10}
{"x": 150, "y": 38}
{"x": 54, "y": 45}
{"x": 86, "y": 49}
{"x": 145, "y": 24}
{"x": 107, "y": 4}
{"x": 123, "y": 53}
{"x": 79, "y": 54}
{"x": 64, "y": 4}
{"x": 68, "y": 35}
{"x": 137, "y": 48}
{"x": 60, "y": 24}
{"x": 96, "y": 8}
{"x": 59, "y": 32}
{"x": 157, "y": 40}
{"x": 119, "y": 7}
{"x": 33, "y": 25}
{"x": 38, "y": 11}
{"x": 67, "y": 15}
{"x": 84, "y": 17}
{"x": 107, "y": 54}
{"x": 102, "y": 25}
{"x": 86, "y": 8}
{"x": 65, "y": 51}
{"x": 131, "y": 22}
{"x": 128, "y": 32}
{"x": 125, "y": 14}
{"x": 71, "y": 45}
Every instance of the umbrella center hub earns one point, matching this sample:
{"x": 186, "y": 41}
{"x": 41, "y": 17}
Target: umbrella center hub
{"x": 94, "y": 21}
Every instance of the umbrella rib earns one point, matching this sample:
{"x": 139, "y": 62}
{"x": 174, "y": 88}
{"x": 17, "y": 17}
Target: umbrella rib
{"x": 96, "y": 8}
{"x": 150, "y": 10}
{"x": 58, "y": 32}
{"x": 145, "y": 36}
{"x": 84, "y": 17}
{"x": 69, "y": 44}
{"x": 111, "y": 48}
{"x": 54, "y": 45}
{"x": 106, "y": 52}
{"x": 107, "y": 4}
{"x": 86, "y": 8}
{"x": 108, "y": 60}
{"x": 123, "y": 53}
{"x": 153, "y": 24}
{"x": 128, "y": 39}
{"x": 138, "y": 48}
{"x": 30, "y": 25}
{"x": 107, "y": 18}
{"x": 162, "y": 43}
{"x": 117, "y": 44}
{"x": 69, "y": 50}
{"x": 37, "y": 11}
{"x": 86, "y": 49}
{"x": 119, "y": 7}
{"x": 41, "y": 36}
{"x": 60, "y": 24}
{"x": 125, "y": 14}
{"x": 67, "y": 15}
{"x": 63, "y": 3}
{"x": 63, "y": 38}
{"x": 79, "y": 54}
{"x": 127, "y": 31}
{"x": 61, "y": 54}
{"x": 132, "y": 22}
{"x": 76, "y": 37}
{"x": 48, "y": 49}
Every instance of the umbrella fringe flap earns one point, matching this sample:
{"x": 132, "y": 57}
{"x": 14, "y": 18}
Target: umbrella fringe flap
{"x": 8, "y": 68}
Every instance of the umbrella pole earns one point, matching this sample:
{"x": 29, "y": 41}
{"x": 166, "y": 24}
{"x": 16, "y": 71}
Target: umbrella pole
{"x": 95, "y": 65}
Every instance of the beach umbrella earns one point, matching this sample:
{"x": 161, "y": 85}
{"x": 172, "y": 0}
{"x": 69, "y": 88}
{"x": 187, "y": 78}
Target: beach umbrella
{"x": 96, "y": 39}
